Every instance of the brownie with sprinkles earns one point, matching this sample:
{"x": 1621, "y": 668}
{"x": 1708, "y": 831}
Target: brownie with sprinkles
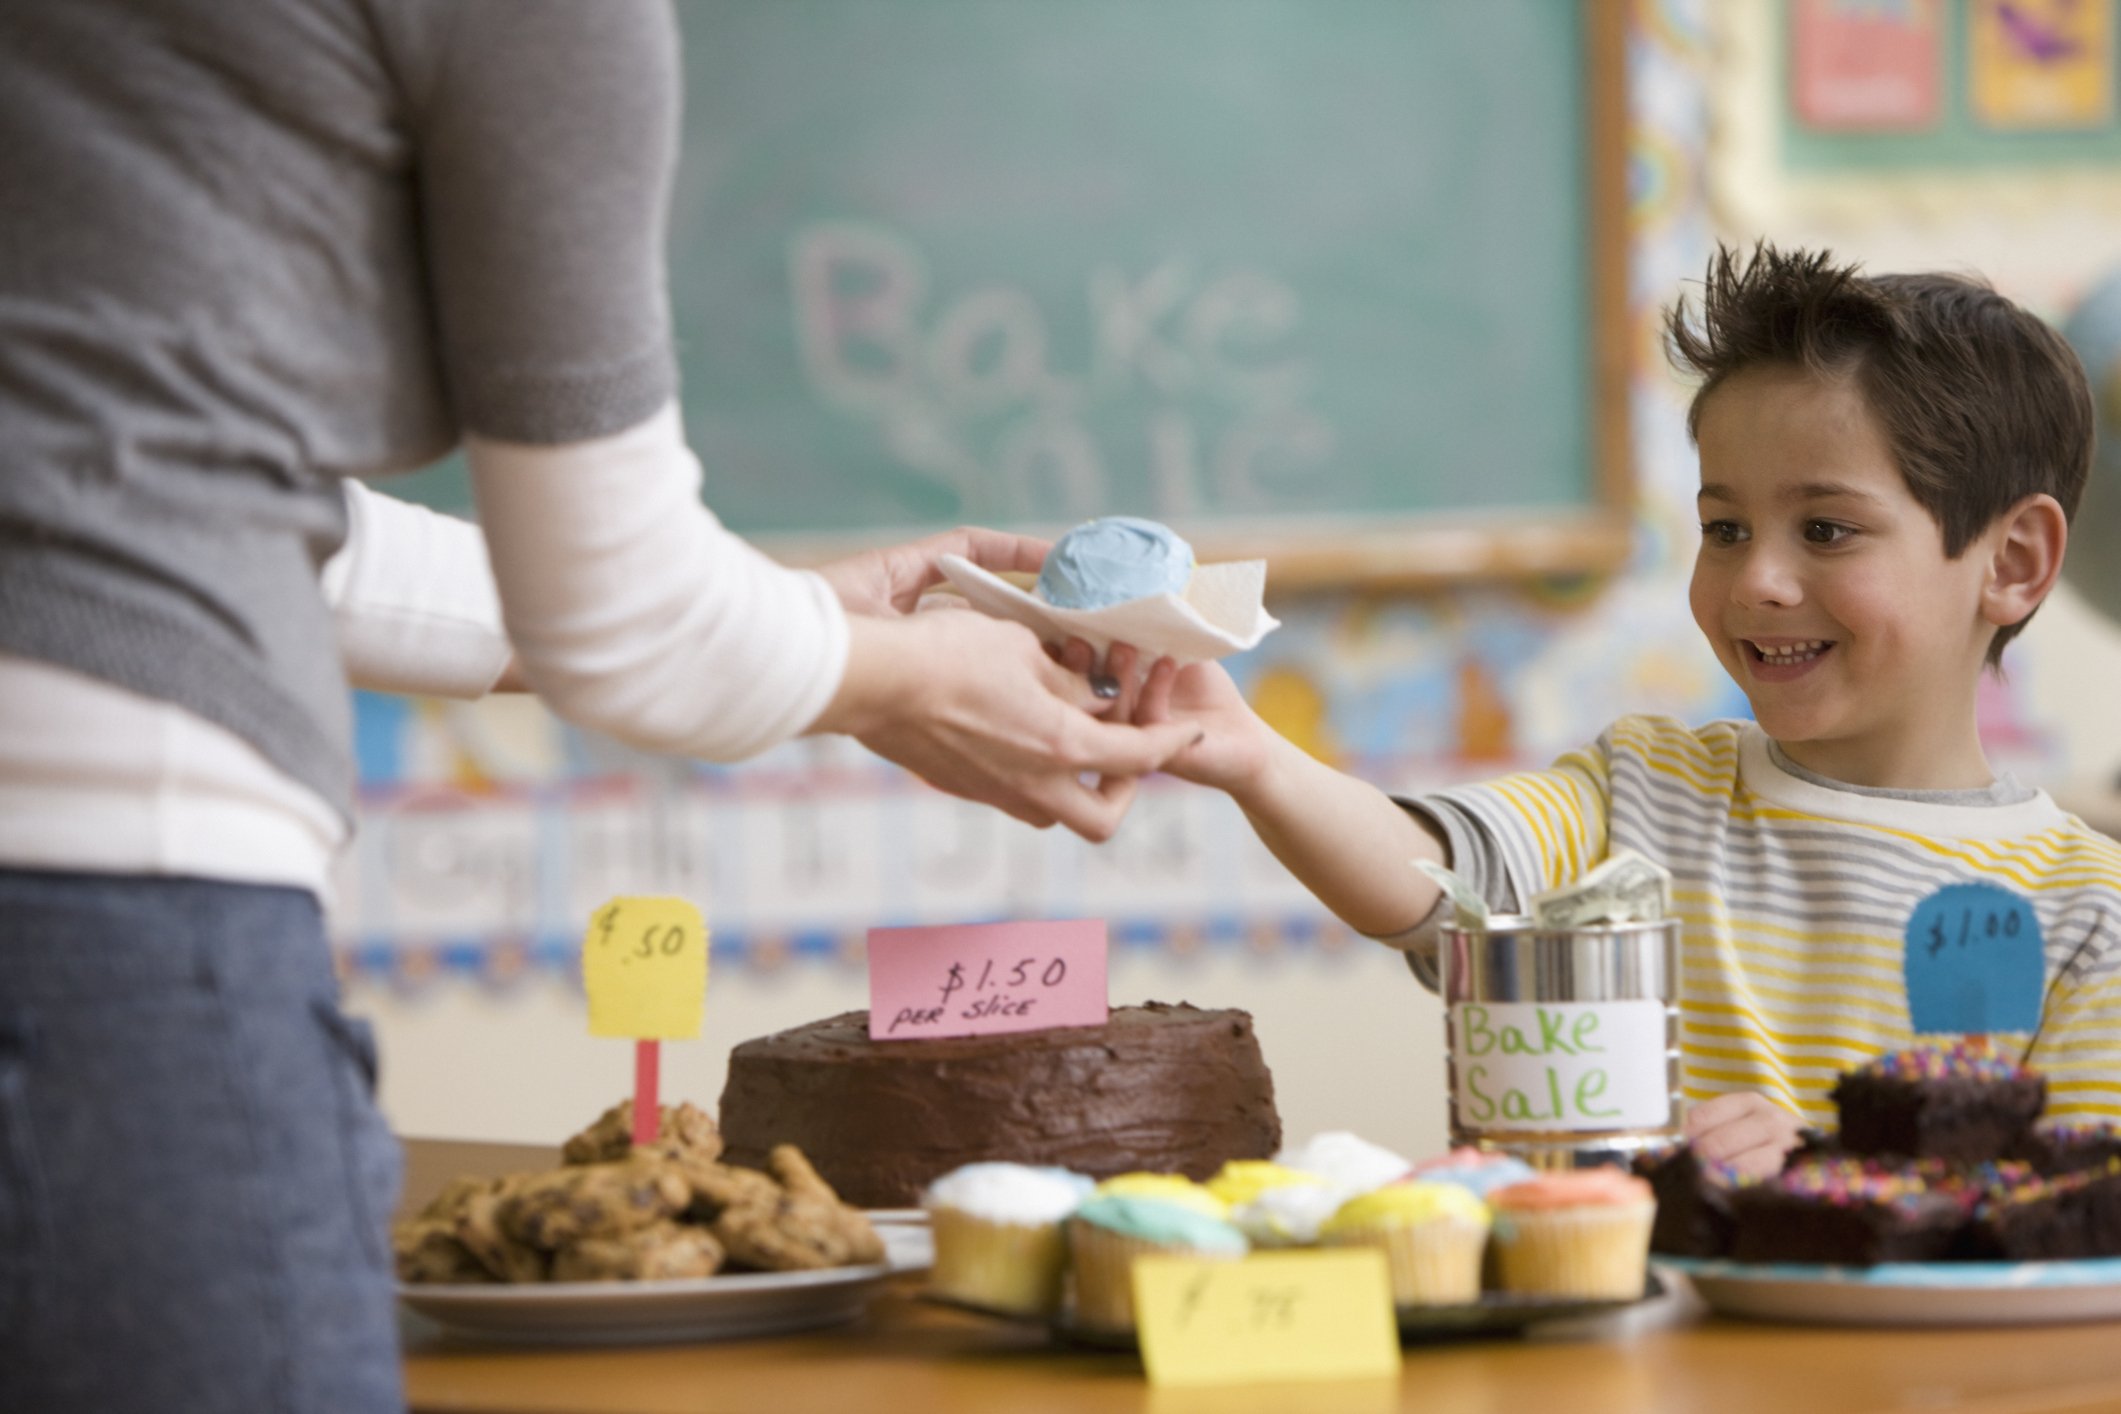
{"x": 2067, "y": 1148}
{"x": 2049, "y": 1217}
{"x": 1847, "y": 1212}
{"x": 1693, "y": 1201}
{"x": 1962, "y": 1101}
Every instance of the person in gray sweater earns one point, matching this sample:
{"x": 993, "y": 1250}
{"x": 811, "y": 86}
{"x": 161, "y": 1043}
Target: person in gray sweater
{"x": 248, "y": 253}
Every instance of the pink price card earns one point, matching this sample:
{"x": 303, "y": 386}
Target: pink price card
{"x": 977, "y": 979}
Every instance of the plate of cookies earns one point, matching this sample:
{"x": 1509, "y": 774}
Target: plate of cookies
{"x": 626, "y": 1243}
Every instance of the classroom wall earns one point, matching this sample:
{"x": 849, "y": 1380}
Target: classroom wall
{"x": 488, "y": 831}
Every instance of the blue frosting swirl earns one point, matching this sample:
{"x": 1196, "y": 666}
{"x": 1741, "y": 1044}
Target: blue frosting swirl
{"x": 1109, "y": 561}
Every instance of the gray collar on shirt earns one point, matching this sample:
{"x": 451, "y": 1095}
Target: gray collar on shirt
{"x": 2004, "y": 790}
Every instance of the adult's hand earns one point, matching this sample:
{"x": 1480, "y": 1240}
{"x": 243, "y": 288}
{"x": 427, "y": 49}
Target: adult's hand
{"x": 975, "y": 707}
{"x": 890, "y": 582}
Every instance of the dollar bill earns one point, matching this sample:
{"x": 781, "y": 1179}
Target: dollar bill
{"x": 1625, "y": 888}
{"x": 1471, "y": 908}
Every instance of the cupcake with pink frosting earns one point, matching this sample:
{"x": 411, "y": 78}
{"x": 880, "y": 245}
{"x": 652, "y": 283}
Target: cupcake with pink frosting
{"x": 1584, "y": 1234}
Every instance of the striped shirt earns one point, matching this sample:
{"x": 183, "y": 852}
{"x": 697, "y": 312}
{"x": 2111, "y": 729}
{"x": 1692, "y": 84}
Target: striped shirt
{"x": 1795, "y": 894}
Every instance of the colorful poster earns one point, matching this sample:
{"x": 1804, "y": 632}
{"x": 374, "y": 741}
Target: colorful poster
{"x": 2040, "y": 64}
{"x": 1866, "y": 65}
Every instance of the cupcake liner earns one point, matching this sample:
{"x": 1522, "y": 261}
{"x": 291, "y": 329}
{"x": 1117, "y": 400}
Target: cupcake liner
{"x": 1594, "y": 1253}
{"x": 1433, "y": 1263}
{"x": 1013, "y": 1267}
{"x": 1103, "y": 1263}
{"x": 1219, "y": 614}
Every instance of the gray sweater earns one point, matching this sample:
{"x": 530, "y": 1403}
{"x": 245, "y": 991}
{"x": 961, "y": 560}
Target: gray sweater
{"x": 249, "y": 248}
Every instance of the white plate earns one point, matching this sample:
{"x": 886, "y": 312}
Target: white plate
{"x": 641, "y": 1312}
{"x": 1910, "y": 1293}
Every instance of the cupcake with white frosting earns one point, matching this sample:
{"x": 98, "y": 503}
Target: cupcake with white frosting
{"x": 998, "y": 1239}
{"x": 1352, "y": 1164}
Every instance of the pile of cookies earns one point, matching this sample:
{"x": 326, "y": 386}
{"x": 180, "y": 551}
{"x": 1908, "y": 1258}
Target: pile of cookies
{"x": 617, "y": 1211}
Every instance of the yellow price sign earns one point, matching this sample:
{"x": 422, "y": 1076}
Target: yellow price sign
{"x": 1267, "y": 1318}
{"x": 644, "y": 963}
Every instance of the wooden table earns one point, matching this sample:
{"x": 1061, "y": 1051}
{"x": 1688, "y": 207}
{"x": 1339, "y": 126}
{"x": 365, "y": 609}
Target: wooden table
{"x": 912, "y": 1357}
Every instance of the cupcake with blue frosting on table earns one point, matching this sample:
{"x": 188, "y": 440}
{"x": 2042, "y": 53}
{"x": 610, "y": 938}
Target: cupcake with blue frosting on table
{"x": 1107, "y": 1233}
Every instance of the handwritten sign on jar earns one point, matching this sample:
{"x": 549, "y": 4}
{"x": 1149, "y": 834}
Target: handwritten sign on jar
{"x": 1563, "y": 1040}
{"x": 1561, "y": 1065}
{"x": 980, "y": 978}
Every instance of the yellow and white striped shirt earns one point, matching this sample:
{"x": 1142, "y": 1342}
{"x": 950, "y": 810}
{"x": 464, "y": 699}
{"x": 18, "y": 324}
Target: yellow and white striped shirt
{"x": 1796, "y": 893}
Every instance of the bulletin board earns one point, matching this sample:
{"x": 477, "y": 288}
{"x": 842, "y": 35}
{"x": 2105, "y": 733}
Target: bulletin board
{"x": 1337, "y": 284}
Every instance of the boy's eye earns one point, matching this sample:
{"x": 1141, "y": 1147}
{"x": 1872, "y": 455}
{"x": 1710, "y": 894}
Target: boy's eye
{"x": 1825, "y": 532}
{"x": 1722, "y": 532}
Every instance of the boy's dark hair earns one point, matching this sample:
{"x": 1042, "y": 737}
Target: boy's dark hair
{"x": 1981, "y": 403}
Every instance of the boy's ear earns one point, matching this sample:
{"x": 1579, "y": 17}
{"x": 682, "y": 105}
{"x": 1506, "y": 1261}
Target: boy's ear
{"x": 2025, "y": 559}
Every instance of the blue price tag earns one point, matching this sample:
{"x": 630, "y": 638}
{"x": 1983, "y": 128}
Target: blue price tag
{"x": 1974, "y": 962}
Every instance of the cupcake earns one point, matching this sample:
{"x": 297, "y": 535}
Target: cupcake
{"x": 1108, "y": 1232}
{"x": 1354, "y": 1164}
{"x": 1289, "y": 1216}
{"x": 1241, "y": 1180}
{"x": 1584, "y": 1233}
{"x": 998, "y": 1241}
{"x": 1475, "y": 1170}
{"x": 1432, "y": 1235}
{"x": 1167, "y": 1188}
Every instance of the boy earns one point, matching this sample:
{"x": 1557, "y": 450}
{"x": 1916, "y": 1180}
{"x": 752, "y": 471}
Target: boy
{"x": 1888, "y": 466}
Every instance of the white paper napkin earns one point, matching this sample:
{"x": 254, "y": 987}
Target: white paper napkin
{"x": 1222, "y": 612}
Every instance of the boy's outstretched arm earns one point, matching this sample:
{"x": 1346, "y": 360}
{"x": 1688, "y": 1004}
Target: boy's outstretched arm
{"x": 1346, "y": 840}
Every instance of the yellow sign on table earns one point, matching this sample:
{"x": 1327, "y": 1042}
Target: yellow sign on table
{"x": 1272, "y": 1316}
{"x": 644, "y": 963}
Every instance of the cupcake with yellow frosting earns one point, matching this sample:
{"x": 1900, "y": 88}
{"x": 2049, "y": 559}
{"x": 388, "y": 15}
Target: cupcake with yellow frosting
{"x": 1432, "y": 1235}
{"x": 1241, "y": 1180}
{"x": 998, "y": 1240}
{"x": 1108, "y": 1232}
{"x": 1165, "y": 1187}
{"x": 1584, "y": 1233}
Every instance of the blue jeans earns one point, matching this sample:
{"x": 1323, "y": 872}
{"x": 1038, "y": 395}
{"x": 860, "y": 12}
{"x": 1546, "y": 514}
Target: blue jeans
{"x": 195, "y": 1183}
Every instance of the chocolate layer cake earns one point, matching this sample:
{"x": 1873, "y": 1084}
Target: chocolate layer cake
{"x": 1169, "y": 1088}
{"x": 1962, "y": 1102}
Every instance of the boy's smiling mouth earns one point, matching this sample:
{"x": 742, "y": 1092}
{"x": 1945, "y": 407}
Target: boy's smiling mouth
{"x": 1782, "y": 658}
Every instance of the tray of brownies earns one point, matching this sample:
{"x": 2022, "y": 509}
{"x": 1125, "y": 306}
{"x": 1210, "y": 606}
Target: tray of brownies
{"x": 1941, "y": 1199}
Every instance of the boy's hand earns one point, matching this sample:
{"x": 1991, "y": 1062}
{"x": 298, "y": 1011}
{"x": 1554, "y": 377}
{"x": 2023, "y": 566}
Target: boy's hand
{"x": 1234, "y": 752}
{"x": 1745, "y": 1130}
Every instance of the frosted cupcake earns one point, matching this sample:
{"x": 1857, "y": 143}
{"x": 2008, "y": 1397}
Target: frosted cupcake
{"x": 1167, "y": 1188}
{"x": 1584, "y": 1233}
{"x": 998, "y": 1241}
{"x": 1107, "y": 1233}
{"x": 1353, "y": 1164}
{"x": 1432, "y": 1235}
{"x": 1111, "y": 561}
{"x": 1289, "y": 1216}
{"x": 1241, "y": 1180}
{"x": 1475, "y": 1170}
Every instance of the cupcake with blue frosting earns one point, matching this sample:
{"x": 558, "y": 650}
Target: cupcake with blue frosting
{"x": 1113, "y": 560}
{"x": 1106, "y": 1235}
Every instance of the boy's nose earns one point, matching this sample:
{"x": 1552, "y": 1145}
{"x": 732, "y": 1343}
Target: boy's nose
{"x": 1766, "y": 578}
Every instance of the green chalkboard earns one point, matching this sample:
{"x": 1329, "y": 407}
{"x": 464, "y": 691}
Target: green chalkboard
{"x": 1292, "y": 268}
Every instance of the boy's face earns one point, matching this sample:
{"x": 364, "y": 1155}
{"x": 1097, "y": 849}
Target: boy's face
{"x": 1822, "y": 585}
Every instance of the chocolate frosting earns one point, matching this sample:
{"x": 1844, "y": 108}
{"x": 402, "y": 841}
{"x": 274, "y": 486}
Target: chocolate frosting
{"x": 1168, "y": 1088}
